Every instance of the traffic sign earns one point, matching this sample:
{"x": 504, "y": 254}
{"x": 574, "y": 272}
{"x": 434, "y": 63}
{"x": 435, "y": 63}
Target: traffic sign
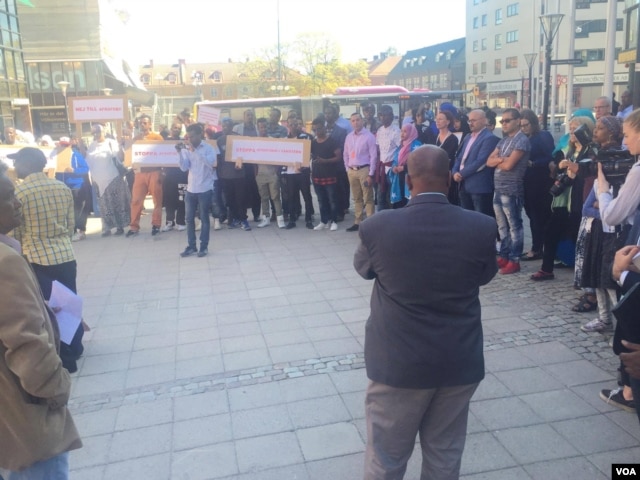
{"x": 568, "y": 61}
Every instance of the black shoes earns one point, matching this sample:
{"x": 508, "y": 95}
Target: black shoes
{"x": 155, "y": 230}
{"x": 290, "y": 225}
{"x": 309, "y": 224}
{"x": 353, "y": 228}
{"x": 131, "y": 233}
{"x": 188, "y": 252}
{"x": 203, "y": 252}
{"x": 119, "y": 231}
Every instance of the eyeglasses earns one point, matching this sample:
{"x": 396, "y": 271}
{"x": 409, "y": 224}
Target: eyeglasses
{"x": 524, "y": 125}
{"x": 506, "y": 120}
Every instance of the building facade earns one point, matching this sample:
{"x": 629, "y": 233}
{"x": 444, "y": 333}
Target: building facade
{"x": 501, "y": 32}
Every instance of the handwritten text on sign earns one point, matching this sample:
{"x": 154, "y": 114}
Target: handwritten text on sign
{"x": 208, "y": 115}
{"x": 157, "y": 154}
{"x": 273, "y": 151}
{"x": 97, "y": 109}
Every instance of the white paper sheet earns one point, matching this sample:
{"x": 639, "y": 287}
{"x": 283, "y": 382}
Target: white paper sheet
{"x": 70, "y": 314}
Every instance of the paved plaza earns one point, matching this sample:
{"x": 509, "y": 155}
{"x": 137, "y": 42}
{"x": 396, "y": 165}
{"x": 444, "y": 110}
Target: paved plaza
{"x": 248, "y": 365}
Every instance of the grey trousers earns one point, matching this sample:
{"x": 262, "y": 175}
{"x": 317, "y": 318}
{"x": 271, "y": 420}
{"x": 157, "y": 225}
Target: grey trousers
{"x": 396, "y": 415}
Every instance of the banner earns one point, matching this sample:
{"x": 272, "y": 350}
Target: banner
{"x": 271, "y": 151}
{"x": 208, "y": 115}
{"x": 158, "y": 154}
{"x": 97, "y": 109}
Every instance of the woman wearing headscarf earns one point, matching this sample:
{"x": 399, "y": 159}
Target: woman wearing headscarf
{"x": 399, "y": 192}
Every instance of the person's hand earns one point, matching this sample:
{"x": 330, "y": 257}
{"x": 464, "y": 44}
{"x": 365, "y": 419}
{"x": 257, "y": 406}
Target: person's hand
{"x": 369, "y": 181}
{"x": 623, "y": 261}
{"x": 631, "y": 361}
{"x": 457, "y": 177}
{"x": 603, "y": 184}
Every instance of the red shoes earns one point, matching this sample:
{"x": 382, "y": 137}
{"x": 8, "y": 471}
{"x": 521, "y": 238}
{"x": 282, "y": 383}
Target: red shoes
{"x": 502, "y": 262}
{"x": 510, "y": 267}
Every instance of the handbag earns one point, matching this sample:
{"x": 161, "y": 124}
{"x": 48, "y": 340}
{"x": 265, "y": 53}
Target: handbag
{"x": 627, "y": 312}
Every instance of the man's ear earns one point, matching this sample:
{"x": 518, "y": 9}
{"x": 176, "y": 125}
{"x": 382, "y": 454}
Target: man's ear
{"x": 408, "y": 181}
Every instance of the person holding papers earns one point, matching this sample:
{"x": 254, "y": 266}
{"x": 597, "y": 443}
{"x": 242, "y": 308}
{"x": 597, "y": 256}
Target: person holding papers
{"x": 36, "y": 429}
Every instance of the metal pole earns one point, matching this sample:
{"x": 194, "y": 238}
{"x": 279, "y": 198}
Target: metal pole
{"x": 572, "y": 44}
{"x": 547, "y": 84}
{"x": 610, "y": 50}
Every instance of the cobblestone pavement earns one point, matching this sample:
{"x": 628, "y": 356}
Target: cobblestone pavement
{"x": 248, "y": 364}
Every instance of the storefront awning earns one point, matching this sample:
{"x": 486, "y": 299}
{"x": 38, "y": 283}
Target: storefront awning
{"x": 136, "y": 93}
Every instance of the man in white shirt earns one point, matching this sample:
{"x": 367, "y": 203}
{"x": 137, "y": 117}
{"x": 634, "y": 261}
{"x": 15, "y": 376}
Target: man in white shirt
{"x": 388, "y": 140}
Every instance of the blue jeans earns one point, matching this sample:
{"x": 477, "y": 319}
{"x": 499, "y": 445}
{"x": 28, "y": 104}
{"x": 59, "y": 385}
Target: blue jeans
{"x": 55, "y": 468}
{"x": 328, "y": 202}
{"x": 479, "y": 202}
{"x": 508, "y": 210}
{"x": 202, "y": 201}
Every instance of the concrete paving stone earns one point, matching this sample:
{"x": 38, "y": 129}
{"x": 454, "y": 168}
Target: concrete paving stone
{"x": 328, "y": 332}
{"x": 535, "y": 443}
{"x": 578, "y": 372}
{"x": 558, "y": 405}
{"x": 356, "y": 315}
{"x": 337, "y": 346}
{"x": 340, "y": 293}
{"x": 197, "y": 312}
{"x": 346, "y": 467}
{"x": 265, "y": 280}
{"x": 358, "y": 331}
{"x": 307, "y": 387}
{"x": 140, "y": 442}
{"x": 196, "y": 323}
{"x": 296, "y": 285}
{"x": 205, "y": 462}
{"x": 474, "y": 425}
{"x": 350, "y": 381}
{"x": 494, "y": 312}
{"x": 528, "y": 380}
{"x": 97, "y": 364}
{"x": 626, "y": 421}
{"x": 261, "y": 421}
{"x": 300, "y": 298}
{"x": 232, "y": 318}
{"x": 507, "y": 359}
{"x": 261, "y": 293}
{"x": 204, "y": 302}
{"x": 157, "y": 467}
{"x": 149, "y": 357}
{"x": 354, "y": 401}
{"x": 155, "y": 341}
{"x": 244, "y": 360}
{"x": 590, "y": 394}
{"x": 198, "y": 335}
{"x": 239, "y": 329}
{"x": 290, "y": 353}
{"x": 150, "y": 375}
{"x": 501, "y": 413}
{"x": 99, "y": 384}
{"x": 329, "y": 441}
{"x": 332, "y": 284}
{"x": 270, "y": 302}
{"x": 564, "y": 468}
{"x": 202, "y": 431}
{"x": 503, "y": 474}
{"x": 145, "y": 414}
{"x": 154, "y": 328}
{"x": 268, "y": 451}
{"x": 199, "y": 367}
{"x": 200, "y": 405}
{"x": 490, "y": 387}
{"x": 242, "y": 343}
{"x": 236, "y": 296}
{"x": 106, "y": 347}
{"x": 275, "y": 313}
{"x": 195, "y": 291}
{"x": 95, "y": 423}
{"x": 312, "y": 309}
{"x": 595, "y": 434}
{"x": 254, "y": 396}
{"x": 161, "y": 293}
{"x": 547, "y": 353}
{"x": 94, "y": 452}
{"x": 604, "y": 460}
{"x": 233, "y": 307}
{"x": 341, "y": 304}
{"x": 103, "y": 332}
{"x": 506, "y": 325}
{"x": 229, "y": 287}
{"x": 328, "y": 276}
{"x": 483, "y": 453}
{"x": 285, "y": 337}
{"x": 91, "y": 473}
{"x": 319, "y": 319}
{"x": 318, "y": 411}
{"x": 290, "y": 472}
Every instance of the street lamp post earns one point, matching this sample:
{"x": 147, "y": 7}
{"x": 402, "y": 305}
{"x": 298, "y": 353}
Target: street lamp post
{"x": 63, "y": 86}
{"x": 549, "y": 23}
{"x": 530, "y": 58}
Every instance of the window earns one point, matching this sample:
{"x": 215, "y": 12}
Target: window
{"x": 171, "y": 78}
{"x": 474, "y": 69}
{"x": 498, "y": 41}
{"x": 483, "y": 67}
{"x": 498, "y": 16}
{"x": 513, "y": 10}
{"x": 145, "y": 78}
{"x": 484, "y": 20}
{"x": 511, "y": 62}
{"x": 483, "y": 44}
{"x": 444, "y": 80}
{"x": 512, "y": 36}
{"x": 476, "y": 2}
{"x": 213, "y": 92}
{"x": 216, "y": 76}
{"x": 475, "y": 22}
{"x": 497, "y": 66}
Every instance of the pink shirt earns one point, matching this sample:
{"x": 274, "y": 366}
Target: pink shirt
{"x": 360, "y": 149}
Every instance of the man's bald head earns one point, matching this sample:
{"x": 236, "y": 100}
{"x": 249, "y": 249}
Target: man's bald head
{"x": 428, "y": 170}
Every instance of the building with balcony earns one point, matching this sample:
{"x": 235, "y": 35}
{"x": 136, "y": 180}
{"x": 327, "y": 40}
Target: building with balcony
{"x": 501, "y": 32}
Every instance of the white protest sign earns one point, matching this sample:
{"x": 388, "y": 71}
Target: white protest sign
{"x": 272, "y": 151}
{"x": 52, "y": 160}
{"x": 95, "y": 109}
{"x": 208, "y": 115}
{"x": 154, "y": 154}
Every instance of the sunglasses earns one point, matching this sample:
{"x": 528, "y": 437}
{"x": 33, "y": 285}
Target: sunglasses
{"x": 506, "y": 120}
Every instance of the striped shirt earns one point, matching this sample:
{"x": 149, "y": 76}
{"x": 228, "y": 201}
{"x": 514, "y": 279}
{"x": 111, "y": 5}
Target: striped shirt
{"x": 48, "y": 220}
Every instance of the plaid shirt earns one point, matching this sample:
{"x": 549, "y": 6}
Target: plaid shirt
{"x": 48, "y": 220}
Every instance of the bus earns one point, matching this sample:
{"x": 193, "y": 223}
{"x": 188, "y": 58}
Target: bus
{"x": 349, "y": 99}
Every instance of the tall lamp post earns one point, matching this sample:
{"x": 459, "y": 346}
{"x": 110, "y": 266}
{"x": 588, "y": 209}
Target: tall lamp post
{"x": 530, "y": 58}
{"x": 549, "y": 23}
{"x": 63, "y": 86}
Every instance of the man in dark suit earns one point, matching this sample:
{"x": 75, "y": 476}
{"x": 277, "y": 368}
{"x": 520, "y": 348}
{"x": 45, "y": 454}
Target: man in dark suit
{"x": 423, "y": 343}
{"x": 471, "y": 171}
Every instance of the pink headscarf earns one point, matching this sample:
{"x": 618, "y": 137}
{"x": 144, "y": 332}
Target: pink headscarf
{"x": 411, "y": 134}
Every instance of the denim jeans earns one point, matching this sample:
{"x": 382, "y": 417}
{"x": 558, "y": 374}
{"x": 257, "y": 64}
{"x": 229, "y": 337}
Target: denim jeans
{"x": 508, "y": 210}
{"x": 479, "y": 202}
{"x": 203, "y": 202}
{"x": 328, "y": 202}
{"x": 55, "y": 468}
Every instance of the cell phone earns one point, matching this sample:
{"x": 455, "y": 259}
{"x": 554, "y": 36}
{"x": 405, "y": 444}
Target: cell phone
{"x": 636, "y": 260}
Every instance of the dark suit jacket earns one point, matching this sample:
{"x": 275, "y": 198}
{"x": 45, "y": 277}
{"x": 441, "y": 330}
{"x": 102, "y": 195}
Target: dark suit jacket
{"x": 428, "y": 260}
{"x": 477, "y": 178}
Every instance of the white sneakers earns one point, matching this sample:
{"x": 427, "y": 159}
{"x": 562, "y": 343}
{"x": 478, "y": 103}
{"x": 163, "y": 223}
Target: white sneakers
{"x": 265, "y": 222}
{"x": 216, "y": 224}
{"x": 79, "y": 236}
{"x": 167, "y": 227}
{"x": 198, "y": 224}
{"x": 180, "y": 228}
{"x": 333, "y": 226}
{"x": 281, "y": 222}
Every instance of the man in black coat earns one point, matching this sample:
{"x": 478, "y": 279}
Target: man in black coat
{"x": 423, "y": 343}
